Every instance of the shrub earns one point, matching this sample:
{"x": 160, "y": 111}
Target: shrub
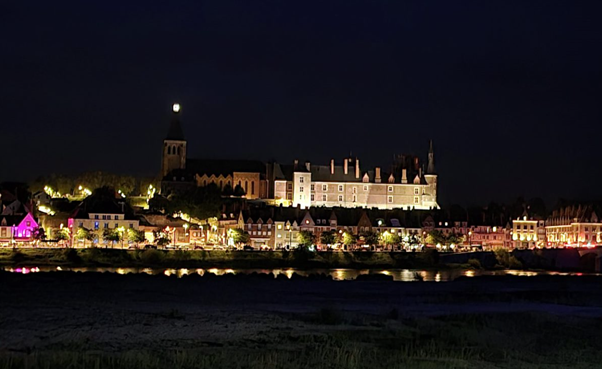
{"x": 502, "y": 256}
{"x": 151, "y": 256}
{"x": 72, "y": 256}
{"x": 514, "y": 263}
{"x": 17, "y": 256}
{"x": 474, "y": 263}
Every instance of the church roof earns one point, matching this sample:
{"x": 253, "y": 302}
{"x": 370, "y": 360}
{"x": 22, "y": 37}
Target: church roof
{"x": 224, "y": 166}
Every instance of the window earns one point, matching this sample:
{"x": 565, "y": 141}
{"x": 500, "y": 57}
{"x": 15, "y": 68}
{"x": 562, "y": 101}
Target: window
{"x": 96, "y": 225}
{"x": 300, "y": 197}
{"x": 289, "y": 196}
{"x": 81, "y": 224}
{"x": 389, "y": 199}
{"x": 300, "y": 179}
{"x": 301, "y": 189}
{"x": 340, "y": 198}
{"x": 289, "y": 186}
{"x": 416, "y": 200}
{"x": 354, "y": 189}
{"x": 116, "y": 225}
{"x": 323, "y": 197}
{"x": 259, "y": 226}
{"x": 312, "y": 187}
{"x": 312, "y": 197}
{"x": 324, "y": 187}
{"x": 29, "y": 224}
{"x": 416, "y": 191}
{"x": 116, "y": 217}
{"x": 354, "y": 198}
{"x": 340, "y": 188}
{"x": 252, "y": 188}
{"x": 390, "y": 189}
{"x": 365, "y": 188}
{"x": 106, "y": 225}
{"x": 131, "y": 225}
{"x": 279, "y": 226}
{"x": 96, "y": 216}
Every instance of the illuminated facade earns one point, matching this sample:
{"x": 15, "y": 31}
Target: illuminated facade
{"x": 528, "y": 233}
{"x": 406, "y": 186}
{"x": 574, "y": 227}
{"x": 17, "y": 228}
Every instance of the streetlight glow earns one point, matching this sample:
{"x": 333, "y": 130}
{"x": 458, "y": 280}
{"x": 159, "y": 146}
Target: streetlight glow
{"x": 176, "y": 108}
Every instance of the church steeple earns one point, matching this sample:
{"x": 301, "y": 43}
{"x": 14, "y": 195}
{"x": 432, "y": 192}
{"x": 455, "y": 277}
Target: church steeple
{"x": 174, "y": 145}
{"x": 431, "y": 162}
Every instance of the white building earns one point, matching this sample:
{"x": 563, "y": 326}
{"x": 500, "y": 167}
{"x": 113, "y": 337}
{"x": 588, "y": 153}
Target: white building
{"x": 405, "y": 186}
{"x": 528, "y": 233}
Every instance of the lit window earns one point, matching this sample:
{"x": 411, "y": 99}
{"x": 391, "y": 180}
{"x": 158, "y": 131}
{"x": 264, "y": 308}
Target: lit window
{"x": 279, "y": 226}
{"x": 96, "y": 225}
{"x": 390, "y": 188}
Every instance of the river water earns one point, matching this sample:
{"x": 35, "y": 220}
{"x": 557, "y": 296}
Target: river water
{"x": 338, "y": 274}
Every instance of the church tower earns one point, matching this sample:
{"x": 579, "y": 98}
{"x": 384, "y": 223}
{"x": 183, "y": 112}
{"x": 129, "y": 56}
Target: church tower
{"x": 174, "y": 145}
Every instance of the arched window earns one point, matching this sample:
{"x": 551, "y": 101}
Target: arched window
{"x": 179, "y": 150}
{"x": 168, "y": 150}
{"x": 221, "y": 183}
{"x": 246, "y": 187}
{"x": 252, "y": 188}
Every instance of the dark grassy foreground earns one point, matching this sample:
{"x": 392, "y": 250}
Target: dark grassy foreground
{"x": 203, "y": 259}
{"x": 91, "y": 320}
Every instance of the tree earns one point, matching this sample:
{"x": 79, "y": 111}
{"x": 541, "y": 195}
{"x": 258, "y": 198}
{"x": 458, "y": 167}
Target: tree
{"x": 435, "y": 237}
{"x": 161, "y": 238}
{"x": 388, "y": 238}
{"x": 84, "y": 234}
{"x": 370, "y": 238}
{"x": 239, "y": 236}
{"x": 111, "y": 234}
{"x": 349, "y": 239}
{"x": 63, "y": 234}
{"x": 239, "y": 191}
{"x": 136, "y": 236}
{"x": 306, "y": 238}
{"x": 328, "y": 238}
{"x": 39, "y": 234}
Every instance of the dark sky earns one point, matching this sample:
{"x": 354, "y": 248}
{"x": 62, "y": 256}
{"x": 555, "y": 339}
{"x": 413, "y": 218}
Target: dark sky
{"x": 510, "y": 91}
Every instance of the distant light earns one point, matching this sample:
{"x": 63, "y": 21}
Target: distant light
{"x": 176, "y": 108}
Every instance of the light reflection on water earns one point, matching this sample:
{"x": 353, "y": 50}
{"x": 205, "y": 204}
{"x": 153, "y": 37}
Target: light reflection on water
{"x": 338, "y": 274}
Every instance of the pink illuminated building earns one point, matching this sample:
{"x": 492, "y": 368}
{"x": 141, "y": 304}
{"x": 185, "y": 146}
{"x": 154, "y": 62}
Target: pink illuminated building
{"x": 18, "y": 228}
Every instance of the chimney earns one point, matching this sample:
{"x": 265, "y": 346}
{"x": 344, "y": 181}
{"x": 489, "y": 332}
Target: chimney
{"x": 377, "y": 176}
{"x": 404, "y": 176}
{"x": 346, "y": 166}
{"x": 308, "y": 166}
{"x": 357, "y": 168}
{"x": 331, "y": 166}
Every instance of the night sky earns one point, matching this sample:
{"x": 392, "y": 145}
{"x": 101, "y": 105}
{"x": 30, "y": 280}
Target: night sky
{"x": 510, "y": 91}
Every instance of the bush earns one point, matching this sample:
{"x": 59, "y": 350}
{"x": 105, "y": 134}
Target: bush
{"x": 514, "y": 263}
{"x": 474, "y": 263}
{"x": 502, "y": 256}
{"x": 151, "y": 256}
{"x": 72, "y": 256}
{"x": 18, "y": 257}
{"x": 180, "y": 255}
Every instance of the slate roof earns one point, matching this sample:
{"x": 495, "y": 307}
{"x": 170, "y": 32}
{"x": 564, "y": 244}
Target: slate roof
{"x": 224, "y": 166}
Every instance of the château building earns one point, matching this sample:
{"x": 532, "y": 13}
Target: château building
{"x": 405, "y": 185}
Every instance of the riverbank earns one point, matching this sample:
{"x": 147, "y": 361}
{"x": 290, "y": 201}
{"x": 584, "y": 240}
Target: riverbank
{"x": 77, "y": 320}
{"x": 551, "y": 259}
{"x": 95, "y": 257}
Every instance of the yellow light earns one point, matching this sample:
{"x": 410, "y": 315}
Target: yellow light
{"x": 176, "y": 108}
